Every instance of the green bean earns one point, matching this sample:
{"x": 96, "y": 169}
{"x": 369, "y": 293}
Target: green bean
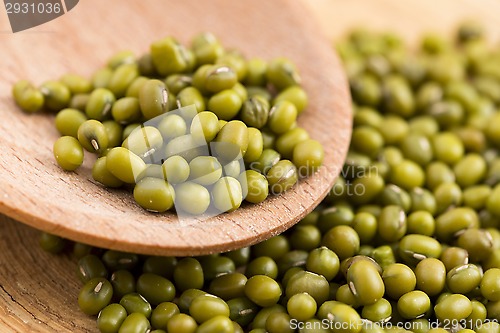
{"x": 27, "y": 96}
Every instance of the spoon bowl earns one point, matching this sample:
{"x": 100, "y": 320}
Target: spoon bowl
{"x": 35, "y": 191}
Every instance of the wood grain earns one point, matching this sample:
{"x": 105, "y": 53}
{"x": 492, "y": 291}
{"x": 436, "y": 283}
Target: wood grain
{"x": 70, "y": 204}
{"x": 38, "y": 291}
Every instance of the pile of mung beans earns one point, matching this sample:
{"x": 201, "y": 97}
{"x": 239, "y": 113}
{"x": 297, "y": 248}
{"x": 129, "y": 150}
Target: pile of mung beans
{"x": 407, "y": 241}
{"x": 200, "y": 127}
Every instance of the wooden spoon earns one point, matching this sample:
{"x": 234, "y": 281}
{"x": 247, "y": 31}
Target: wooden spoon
{"x": 38, "y": 291}
{"x": 37, "y": 192}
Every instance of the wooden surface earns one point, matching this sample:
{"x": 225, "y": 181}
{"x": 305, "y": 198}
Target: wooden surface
{"x": 410, "y": 18}
{"x": 70, "y": 204}
{"x": 38, "y": 291}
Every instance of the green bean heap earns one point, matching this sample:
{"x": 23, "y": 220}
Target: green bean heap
{"x": 407, "y": 241}
{"x": 200, "y": 127}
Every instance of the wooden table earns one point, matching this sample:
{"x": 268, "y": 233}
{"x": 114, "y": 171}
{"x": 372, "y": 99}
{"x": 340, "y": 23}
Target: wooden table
{"x": 38, "y": 291}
